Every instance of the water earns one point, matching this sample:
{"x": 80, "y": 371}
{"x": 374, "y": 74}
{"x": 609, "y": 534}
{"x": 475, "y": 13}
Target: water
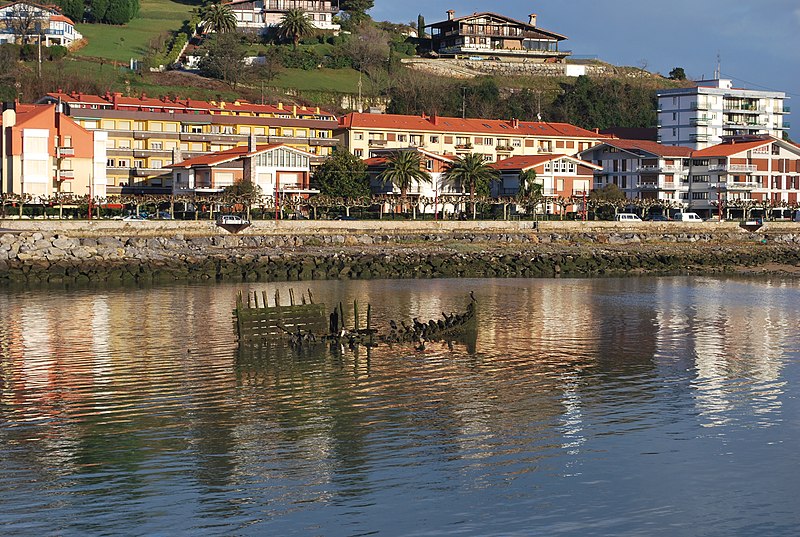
{"x": 664, "y": 406}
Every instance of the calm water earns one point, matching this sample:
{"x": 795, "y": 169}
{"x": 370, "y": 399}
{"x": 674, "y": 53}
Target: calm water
{"x": 587, "y": 407}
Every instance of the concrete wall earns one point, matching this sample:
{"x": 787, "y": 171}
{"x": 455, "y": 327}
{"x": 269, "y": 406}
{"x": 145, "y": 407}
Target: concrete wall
{"x": 357, "y": 227}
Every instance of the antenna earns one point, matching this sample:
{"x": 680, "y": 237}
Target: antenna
{"x": 718, "y": 71}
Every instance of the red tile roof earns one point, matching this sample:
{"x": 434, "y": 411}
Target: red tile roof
{"x": 729, "y": 149}
{"x": 494, "y": 127}
{"x": 651, "y": 147}
{"x": 228, "y": 155}
{"x": 525, "y": 162}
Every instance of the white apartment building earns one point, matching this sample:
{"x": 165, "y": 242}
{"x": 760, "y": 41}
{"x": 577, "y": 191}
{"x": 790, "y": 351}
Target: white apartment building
{"x": 642, "y": 169}
{"x": 701, "y": 116}
{"x": 261, "y": 15}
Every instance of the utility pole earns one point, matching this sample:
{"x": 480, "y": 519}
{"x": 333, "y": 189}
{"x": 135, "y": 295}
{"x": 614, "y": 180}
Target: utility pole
{"x": 463, "y": 102}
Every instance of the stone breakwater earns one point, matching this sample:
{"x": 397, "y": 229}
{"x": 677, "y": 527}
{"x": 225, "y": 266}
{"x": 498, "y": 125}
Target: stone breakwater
{"x": 154, "y": 255}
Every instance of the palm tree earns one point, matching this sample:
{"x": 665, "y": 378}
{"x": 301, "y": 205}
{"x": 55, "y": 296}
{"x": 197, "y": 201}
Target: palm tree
{"x": 218, "y": 18}
{"x": 403, "y": 168}
{"x": 531, "y": 191}
{"x": 295, "y": 25}
{"x": 471, "y": 171}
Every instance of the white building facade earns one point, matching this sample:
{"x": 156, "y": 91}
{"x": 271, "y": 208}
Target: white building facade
{"x": 261, "y": 15}
{"x": 34, "y": 20}
{"x": 703, "y": 115}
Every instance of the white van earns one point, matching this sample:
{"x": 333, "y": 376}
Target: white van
{"x": 627, "y": 217}
{"x": 230, "y": 219}
{"x": 687, "y": 217}
{"x": 796, "y": 217}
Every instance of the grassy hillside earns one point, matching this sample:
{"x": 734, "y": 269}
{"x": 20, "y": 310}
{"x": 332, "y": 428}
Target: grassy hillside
{"x": 121, "y": 43}
{"x": 336, "y": 80}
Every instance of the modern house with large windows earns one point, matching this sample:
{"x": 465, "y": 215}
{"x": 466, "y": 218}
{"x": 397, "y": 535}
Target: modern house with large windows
{"x": 489, "y": 35}
{"x": 703, "y": 115}
{"x": 262, "y": 15}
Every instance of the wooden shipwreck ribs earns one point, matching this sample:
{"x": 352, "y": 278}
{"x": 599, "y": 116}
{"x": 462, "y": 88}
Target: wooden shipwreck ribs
{"x": 304, "y": 324}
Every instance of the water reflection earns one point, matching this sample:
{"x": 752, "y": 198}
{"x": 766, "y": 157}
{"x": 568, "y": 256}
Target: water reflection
{"x": 130, "y": 405}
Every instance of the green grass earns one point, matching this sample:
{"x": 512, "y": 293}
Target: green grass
{"x": 339, "y": 80}
{"x": 128, "y": 41}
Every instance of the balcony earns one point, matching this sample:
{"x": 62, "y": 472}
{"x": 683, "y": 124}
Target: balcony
{"x": 65, "y": 175}
{"x": 325, "y": 142}
{"x": 732, "y": 168}
{"x": 377, "y": 143}
{"x": 63, "y": 152}
{"x": 308, "y": 6}
{"x": 647, "y": 185}
{"x": 735, "y": 185}
{"x": 699, "y": 121}
{"x": 666, "y": 168}
{"x": 699, "y": 106}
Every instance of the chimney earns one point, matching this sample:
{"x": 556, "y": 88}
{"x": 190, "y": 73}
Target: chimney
{"x": 280, "y": 106}
{"x": 451, "y": 14}
{"x": 115, "y": 98}
{"x": 435, "y": 119}
{"x": 294, "y": 109}
{"x": 144, "y": 96}
{"x": 532, "y": 19}
{"x": 514, "y": 123}
{"x": 317, "y": 110}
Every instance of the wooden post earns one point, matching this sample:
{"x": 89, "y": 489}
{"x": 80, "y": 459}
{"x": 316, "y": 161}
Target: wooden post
{"x": 341, "y": 315}
{"x": 277, "y": 298}
{"x": 291, "y": 296}
{"x": 355, "y": 315}
{"x": 264, "y": 298}
{"x": 310, "y": 296}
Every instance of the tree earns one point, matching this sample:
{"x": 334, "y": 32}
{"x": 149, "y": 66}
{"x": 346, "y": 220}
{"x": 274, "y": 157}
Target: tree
{"x": 356, "y": 10}
{"x": 242, "y": 192}
{"x": 471, "y": 171}
{"x": 218, "y": 18}
{"x": 295, "y": 25}
{"x": 421, "y": 26}
{"x": 74, "y": 9}
{"x": 677, "y": 74}
{"x": 607, "y": 200}
{"x": 24, "y": 23}
{"x": 342, "y": 175}
{"x": 224, "y": 58}
{"x": 118, "y": 12}
{"x": 402, "y": 170}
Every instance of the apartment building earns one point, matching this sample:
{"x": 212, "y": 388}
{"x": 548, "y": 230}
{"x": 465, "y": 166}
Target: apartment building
{"x": 561, "y": 177}
{"x": 46, "y": 153}
{"x": 489, "y": 34}
{"x": 363, "y": 134}
{"x": 20, "y": 22}
{"x": 146, "y": 134}
{"x": 702, "y": 116}
{"x": 642, "y": 169}
{"x": 263, "y": 15}
{"x": 742, "y": 173}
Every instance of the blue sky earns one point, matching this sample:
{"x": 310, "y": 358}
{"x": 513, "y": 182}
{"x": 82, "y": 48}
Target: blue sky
{"x": 758, "y": 41}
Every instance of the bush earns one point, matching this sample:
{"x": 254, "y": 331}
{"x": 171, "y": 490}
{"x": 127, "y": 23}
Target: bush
{"x": 29, "y": 53}
{"x": 307, "y": 60}
{"x": 56, "y": 52}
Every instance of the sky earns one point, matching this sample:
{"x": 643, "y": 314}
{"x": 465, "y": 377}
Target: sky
{"x": 758, "y": 42}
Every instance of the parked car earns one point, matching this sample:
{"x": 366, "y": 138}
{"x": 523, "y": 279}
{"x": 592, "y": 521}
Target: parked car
{"x": 230, "y": 220}
{"x": 627, "y": 217}
{"x": 796, "y": 216}
{"x": 687, "y": 217}
{"x": 657, "y": 218}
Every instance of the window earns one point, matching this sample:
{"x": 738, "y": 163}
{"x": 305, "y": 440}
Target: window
{"x": 358, "y": 152}
{"x": 138, "y": 163}
{"x": 357, "y": 135}
{"x": 156, "y": 126}
{"x": 156, "y": 145}
{"x": 700, "y": 178}
{"x": 402, "y": 138}
{"x": 434, "y": 139}
{"x": 156, "y": 164}
{"x": 516, "y": 142}
{"x": 699, "y": 195}
{"x": 123, "y": 163}
{"x": 111, "y": 163}
{"x": 429, "y": 164}
{"x": 700, "y": 162}
{"x": 107, "y": 124}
